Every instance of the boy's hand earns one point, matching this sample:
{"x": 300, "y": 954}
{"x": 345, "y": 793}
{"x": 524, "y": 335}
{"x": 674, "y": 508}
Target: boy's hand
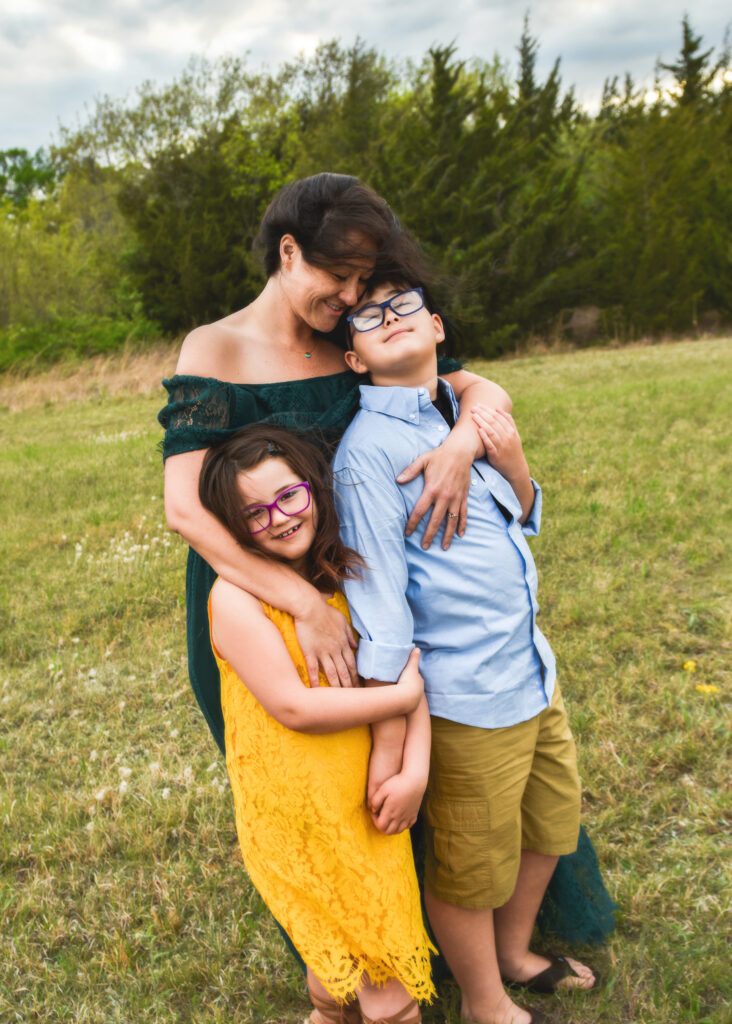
{"x": 396, "y": 803}
{"x": 505, "y": 453}
{"x": 501, "y": 439}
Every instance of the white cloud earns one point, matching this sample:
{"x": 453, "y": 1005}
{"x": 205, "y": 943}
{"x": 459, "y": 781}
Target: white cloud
{"x": 58, "y": 55}
{"x": 91, "y": 50}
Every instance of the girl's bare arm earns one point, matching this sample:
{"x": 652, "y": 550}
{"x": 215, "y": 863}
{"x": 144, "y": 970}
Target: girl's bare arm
{"x": 254, "y": 647}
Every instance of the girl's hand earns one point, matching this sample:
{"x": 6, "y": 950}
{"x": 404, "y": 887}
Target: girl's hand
{"x": 397, "y": 802}
{"x": 410, "y": 682}
{"x": 446, "y": 484}
{"x": 327, "y": 640}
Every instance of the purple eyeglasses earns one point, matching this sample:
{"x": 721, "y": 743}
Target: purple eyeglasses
{"x": 291, "y": 502}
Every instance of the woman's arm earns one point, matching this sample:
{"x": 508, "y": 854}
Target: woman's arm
{"x": 255, "y": 649}
{"x": 447, "y": 468}
{"x": 323, "y": 633}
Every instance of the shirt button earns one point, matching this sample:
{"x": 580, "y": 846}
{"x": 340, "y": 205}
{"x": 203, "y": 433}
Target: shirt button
{"x": 473, "y": 482}
{"x": 420, "y": 391}
{"x": 411, "y": 415}
{"x": 440, "y": 429}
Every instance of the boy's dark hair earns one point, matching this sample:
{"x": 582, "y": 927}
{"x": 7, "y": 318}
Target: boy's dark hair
{"x": 329, "y": 561}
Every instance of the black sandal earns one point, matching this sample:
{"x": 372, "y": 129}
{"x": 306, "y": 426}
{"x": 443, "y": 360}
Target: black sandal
{"x": 546, "y": 982}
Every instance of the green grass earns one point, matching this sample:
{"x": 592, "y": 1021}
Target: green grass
{"x": 122, "y": 893}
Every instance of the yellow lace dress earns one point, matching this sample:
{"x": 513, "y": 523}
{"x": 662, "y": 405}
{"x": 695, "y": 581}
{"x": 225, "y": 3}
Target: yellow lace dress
{"x": 346, "y": 894}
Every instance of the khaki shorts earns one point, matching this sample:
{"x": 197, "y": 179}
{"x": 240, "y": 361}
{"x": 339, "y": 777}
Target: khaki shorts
{"x": 492, "y": 793}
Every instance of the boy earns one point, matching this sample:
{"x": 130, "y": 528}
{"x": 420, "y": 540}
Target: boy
{"x": 502, "y": 798}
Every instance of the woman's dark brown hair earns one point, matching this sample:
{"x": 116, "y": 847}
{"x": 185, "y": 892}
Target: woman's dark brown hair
{"x": 335, "y": 218}
{"x": 332, "y": 217}
{"x": 329, "y": 561}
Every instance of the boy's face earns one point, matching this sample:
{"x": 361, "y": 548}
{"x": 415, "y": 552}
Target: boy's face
{"x": 402, "y": 345}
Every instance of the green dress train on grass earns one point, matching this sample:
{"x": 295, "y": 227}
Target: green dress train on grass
{"x": 202, "y": 411}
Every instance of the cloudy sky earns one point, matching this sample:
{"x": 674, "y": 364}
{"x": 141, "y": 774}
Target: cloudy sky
{"x": 57, "y": 56}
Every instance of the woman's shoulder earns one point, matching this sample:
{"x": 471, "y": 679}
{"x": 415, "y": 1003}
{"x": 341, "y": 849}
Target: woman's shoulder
{"x": 212, "y": 349}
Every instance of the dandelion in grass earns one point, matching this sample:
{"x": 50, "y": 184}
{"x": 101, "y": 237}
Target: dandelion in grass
{"x": 690, "y": 665}
{"x": 706, "y": 688}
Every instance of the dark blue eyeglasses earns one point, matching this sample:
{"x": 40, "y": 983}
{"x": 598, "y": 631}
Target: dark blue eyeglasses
{"x": 369, "y": 317}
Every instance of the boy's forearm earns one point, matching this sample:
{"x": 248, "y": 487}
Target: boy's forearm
{"x": 388, "y": 736}
{"x": 387, "y": 748}
{"x": 416, "y": 759}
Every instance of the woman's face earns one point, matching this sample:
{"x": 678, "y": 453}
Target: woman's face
{"x": 288, "y": 537}
{"x": 317, "y": 295}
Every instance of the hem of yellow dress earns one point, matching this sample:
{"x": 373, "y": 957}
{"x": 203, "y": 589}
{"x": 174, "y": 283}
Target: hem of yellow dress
{"x": 417, "y": 980}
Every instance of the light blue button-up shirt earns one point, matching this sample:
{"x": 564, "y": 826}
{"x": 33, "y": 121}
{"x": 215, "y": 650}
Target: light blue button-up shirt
{"x": 471, "y": 609}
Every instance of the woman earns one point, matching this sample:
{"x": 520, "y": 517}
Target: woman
{"x": 271, "y": 361}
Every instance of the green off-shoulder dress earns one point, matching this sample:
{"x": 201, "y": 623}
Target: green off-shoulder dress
{"x": 202, "y": 411}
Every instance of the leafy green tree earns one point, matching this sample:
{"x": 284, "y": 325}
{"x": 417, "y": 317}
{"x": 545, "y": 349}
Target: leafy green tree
{"x": 24, "y": 175}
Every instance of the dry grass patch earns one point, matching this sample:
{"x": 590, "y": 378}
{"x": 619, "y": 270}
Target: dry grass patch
{"x": 127, "y": 372}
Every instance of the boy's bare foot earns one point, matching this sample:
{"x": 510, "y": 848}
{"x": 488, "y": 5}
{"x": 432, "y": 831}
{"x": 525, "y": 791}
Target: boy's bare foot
{"x": 504, "y": 1012}
{"x": 548, "y": 973}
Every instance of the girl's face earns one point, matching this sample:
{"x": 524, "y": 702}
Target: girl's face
{"x": 288, "y": 537}
{"x": 317, "y": 295}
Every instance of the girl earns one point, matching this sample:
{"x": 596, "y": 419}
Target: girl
{"x": 298, "y": 756}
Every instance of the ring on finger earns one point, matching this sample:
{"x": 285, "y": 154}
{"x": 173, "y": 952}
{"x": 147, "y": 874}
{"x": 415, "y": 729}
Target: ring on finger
{"x": 452, "y": 515}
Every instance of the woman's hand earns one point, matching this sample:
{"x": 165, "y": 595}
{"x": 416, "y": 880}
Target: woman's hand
{"x": 446, "y": 484}
{"x": 327, "y": 640}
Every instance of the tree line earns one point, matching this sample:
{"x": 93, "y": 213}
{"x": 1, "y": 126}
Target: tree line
{"x": 540, "y": 218}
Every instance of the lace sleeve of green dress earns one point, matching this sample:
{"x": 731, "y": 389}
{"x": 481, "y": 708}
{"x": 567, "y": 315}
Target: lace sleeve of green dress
{"x": 198, "y": 414}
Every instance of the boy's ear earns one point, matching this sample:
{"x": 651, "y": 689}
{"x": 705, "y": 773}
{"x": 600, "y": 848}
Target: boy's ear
{"x": 355, "y": 363}
{"x": 439, "y": 328}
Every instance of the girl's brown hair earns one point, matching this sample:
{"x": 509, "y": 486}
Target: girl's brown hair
{"x": 329, "y": 561}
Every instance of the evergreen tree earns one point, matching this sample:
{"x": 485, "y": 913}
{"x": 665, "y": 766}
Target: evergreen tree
{"x": 691, "y": 70}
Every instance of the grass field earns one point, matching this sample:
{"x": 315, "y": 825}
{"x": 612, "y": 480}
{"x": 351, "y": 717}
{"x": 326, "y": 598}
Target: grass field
{"x": 122, "y": 894}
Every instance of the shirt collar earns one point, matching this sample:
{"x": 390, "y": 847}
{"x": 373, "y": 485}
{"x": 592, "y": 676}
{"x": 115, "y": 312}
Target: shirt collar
{"x": 402, "y": 403}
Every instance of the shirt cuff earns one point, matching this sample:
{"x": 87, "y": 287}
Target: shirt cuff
{"x": 533, "y": 523}
{"x": 384, "y": 662}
